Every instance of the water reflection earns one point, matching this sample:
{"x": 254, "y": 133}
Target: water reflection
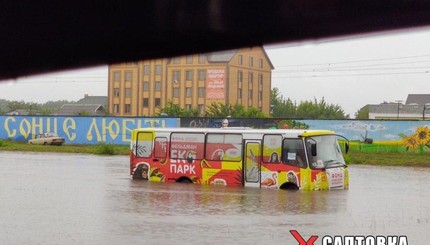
{"x": 80, "y": 199}
{"x": 165, "y": 198}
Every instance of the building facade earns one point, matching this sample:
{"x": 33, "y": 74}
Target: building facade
{"x": 241, "y": 76}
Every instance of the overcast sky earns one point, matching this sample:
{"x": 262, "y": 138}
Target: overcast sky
{"x": 350, "y": 72}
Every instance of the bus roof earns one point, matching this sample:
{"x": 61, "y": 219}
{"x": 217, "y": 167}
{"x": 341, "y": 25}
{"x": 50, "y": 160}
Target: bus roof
{"x": 244, "y": 130}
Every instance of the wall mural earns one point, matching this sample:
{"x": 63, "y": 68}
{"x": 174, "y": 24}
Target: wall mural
{"x": 117, "y": 130}
{"x": 79, "y": 130}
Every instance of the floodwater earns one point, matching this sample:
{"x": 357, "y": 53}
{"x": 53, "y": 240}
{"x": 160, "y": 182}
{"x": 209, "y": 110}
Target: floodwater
{"x": 48, "y": 198}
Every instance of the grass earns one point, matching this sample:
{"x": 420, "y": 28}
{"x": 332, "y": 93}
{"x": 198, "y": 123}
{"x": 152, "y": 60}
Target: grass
{"x": 388, "y": 158}
{"x": 100, "y": 149}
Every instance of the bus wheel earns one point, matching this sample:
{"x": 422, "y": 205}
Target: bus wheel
{"x": 184, "y": 180}
{"x": 289, "y": 187}
{"x": 137, "y": 173}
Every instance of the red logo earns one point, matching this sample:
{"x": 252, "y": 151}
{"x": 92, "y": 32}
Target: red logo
{"x": 302, "y": 241}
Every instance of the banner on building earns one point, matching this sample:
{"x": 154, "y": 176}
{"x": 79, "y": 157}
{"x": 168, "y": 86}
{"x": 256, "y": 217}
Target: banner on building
{"x": 215, "y": 84}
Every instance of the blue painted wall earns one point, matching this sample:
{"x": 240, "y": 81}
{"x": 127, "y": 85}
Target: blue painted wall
{"x": 79, "y": 130}
{"x": 117, "y": 130}
{"x": 378, "y": 130}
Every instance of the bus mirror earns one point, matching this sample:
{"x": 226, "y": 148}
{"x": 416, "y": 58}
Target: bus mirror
{"x": 314, "y": 149}
{"x": 346, "y": 147}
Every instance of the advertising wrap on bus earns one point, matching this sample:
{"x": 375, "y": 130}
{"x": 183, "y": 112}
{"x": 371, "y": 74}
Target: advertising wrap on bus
{"x": 263, "y": 158}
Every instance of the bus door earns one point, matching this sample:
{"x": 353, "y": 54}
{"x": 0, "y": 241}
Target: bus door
{"x": 252, "y": 163}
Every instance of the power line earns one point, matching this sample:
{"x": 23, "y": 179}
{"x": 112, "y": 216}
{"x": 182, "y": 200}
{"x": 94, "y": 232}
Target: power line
{"x": 343, "y": 69}
{"x": 355, "y": 75}
{"x": 360, "y": 61}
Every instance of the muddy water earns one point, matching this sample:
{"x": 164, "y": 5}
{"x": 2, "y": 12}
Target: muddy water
{"x": 85, "y": 199}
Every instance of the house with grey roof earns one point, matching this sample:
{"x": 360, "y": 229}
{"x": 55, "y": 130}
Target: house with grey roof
{"x": 417, "y": 107}
{"x": 81, "y": 110}
{"x": 87, "y": 106}
{"x": 93, "y": 100}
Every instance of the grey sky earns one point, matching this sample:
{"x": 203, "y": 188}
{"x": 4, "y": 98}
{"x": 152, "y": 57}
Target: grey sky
{"x": 350, "y": 72}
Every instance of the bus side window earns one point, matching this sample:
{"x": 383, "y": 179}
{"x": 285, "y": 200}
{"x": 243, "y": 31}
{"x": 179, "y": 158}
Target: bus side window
{"x": 160, "y": 147}
{"x": 144, "y": 144}
{"x": 294, "y": 153}
{"x": 272, "y": 148}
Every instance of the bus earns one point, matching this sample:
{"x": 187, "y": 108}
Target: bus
{"x": 263, "y": 158}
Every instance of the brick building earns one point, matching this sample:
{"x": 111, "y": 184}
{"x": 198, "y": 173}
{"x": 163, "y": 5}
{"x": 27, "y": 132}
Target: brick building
{"x": 241, "y": 76}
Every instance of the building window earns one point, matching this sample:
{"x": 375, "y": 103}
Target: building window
{"x": 175, "y": 92}
{"x": 175, "y": 76}
{"x": 250, "y": 78}
{"x": 240, "y": 59}
{"x": 145, "y": 102}
{"x": 250, "y": 94}
{"x": 202, "y": 75}
{"x": 176, "y": 60}
{"x": 116, "y": 92}
{"x": 260, "y": 63}
{"x": 251, "y": 61}
{"x": 260, "y": 95}
{"x": 146, "y": 69}
{"x": 128, "y": 76}
{"x": 239, "y": 94}
{"x": 158, "y": 86}
{"x": 260, "y": 81}
{"x": 145, "y": 86}
{"x": 115, "y": 108}
{"x": 201, "y": 92}
{"x": 157, "y": 102}
{"x": 189, "y": 75}
{"x": 127, "y": 108}
{"x": 188, "y": 107}
{"x": 189, "y": 92}
{"x": 116, "y": 76}
{"x": 189, "y": 59}
{"x": 202, "y": 58}
{"x": 128, "y": 92}
{"x": 158, "y": 69}
{"x": 239, "y": 78}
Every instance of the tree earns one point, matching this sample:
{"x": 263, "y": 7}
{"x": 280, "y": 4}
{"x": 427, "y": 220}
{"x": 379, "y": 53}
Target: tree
{"x": 363, "y": 113}
{"x": 281, "y": 107}
{"x": 285, "y": 108}
{"x": 33, "y": 108}
{"x": 236, "y": 111}
{"x": 174, "y": 110}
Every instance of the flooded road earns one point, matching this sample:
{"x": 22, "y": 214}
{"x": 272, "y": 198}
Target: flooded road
{"x": 48, "y": 198}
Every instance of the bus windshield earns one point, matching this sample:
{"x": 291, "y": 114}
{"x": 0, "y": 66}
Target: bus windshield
{"x": 324, "y": 152}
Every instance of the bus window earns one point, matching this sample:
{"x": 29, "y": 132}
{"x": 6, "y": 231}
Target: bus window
{"x": 160, "y": 147}
{"x": 272, "y": 147}
{"x": 144, "y": 144}
{"x": 294, "y": 153}
{"x": 224, "y": 147}
{"x": 187, "y": 146}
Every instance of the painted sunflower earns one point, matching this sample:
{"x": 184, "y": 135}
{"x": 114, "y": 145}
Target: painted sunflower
{"x": 423, "y": 135}
{"x": 411, "y": 142}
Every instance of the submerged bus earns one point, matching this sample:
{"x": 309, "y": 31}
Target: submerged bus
{"x": 264, "y": 158}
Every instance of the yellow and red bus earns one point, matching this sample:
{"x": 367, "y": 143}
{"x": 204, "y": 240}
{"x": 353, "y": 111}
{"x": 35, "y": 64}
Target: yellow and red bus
{"x": 266, "y": 158}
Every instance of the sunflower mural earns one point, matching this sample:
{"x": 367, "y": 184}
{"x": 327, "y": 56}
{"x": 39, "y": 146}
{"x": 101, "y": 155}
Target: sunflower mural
{"x": 419, "y": 140}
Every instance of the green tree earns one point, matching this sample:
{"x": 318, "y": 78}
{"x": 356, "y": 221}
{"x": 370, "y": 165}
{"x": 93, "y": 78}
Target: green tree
{"x": 33, "y": 108}
{"x": 174, "y": 110}
{"x": 235, "y": 111}
{"x": 363, "y": 113}
{"x": 285, "y": 108}
{"x": 281, "y": 107}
